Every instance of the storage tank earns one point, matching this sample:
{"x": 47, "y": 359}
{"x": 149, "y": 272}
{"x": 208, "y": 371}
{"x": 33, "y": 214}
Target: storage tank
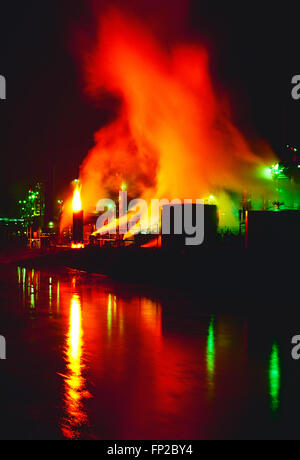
{"x": 175, "y": 240}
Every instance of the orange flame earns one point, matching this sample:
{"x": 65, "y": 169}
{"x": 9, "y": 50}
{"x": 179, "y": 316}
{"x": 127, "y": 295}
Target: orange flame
{"x": 77, "y": 205}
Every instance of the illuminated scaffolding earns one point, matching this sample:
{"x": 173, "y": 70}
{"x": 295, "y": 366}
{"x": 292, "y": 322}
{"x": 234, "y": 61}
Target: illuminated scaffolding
{"x": 32, "y": 208}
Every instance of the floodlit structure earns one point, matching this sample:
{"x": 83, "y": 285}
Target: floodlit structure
{"x": 77, "y": 242}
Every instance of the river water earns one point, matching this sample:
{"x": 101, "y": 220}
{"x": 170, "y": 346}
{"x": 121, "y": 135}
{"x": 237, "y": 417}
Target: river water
{"x": 88, "y": 358}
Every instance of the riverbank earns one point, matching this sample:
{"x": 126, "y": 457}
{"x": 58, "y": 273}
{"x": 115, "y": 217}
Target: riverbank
{"x": 224, "y": 276}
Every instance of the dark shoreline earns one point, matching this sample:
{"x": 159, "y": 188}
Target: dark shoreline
{"x": 227, "y": 277}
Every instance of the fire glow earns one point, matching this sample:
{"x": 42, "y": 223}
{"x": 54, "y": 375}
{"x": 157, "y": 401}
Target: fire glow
{"x": 173, "y": 135}
{"x": 78, "y": 242}
{"x": 77, "y": 205}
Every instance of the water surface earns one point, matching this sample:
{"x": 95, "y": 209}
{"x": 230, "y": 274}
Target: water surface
{"x": 91, "y": 359}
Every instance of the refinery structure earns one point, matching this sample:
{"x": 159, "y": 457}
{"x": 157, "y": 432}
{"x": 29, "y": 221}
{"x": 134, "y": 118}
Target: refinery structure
{"x": 255, "y": 218}
{"x": 242, "y": 213}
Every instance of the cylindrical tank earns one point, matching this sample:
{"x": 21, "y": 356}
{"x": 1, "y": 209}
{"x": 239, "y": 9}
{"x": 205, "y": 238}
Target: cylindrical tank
{"x": 175, "y": 240}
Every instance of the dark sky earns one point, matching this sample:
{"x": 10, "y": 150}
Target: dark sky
{"x": 47, "y": 123}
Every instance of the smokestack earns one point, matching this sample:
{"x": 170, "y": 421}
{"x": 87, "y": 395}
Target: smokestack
{"x": 78, "y": 228}
{"x": 78, "y": 241}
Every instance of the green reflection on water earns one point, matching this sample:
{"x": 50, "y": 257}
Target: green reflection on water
{"x": 24, "y": 285}
{"x": 274, "y": 377}
{"x": 211, "y": 351}
{"x": 32, "y": 301}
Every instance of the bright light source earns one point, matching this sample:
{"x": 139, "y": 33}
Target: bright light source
{"x": 77, "y": 246}
{"x": 77, "y": 200}
{"x": 268, "y": 173}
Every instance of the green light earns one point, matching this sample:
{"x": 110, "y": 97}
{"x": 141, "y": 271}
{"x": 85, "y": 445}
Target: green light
{"x": 276, "y": 169}
{"x": 210, "y": 351}
{"x": 24, "y": 276}
{"x": 268, "y": 173}
{"x": 274, "y": 377}
{"x": 51, "y": 225}
{"x": 274, "y": 172}
{"x": 32, "y": 302}
{"x": 32, "y": 298}
{"x": 124, "y": 187}
{"x": 24, "y": 284}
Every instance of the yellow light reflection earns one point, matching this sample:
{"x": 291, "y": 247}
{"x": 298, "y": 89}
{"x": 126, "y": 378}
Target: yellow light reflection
{"x": 74, "y": 381}
{"x": 50, "y": 293}
{"x": 115, "y": 307}
{"x": 75, "y": 333}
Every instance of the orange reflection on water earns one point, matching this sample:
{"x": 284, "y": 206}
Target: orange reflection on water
{"x": 151, "y": 317}
{"x": 74, "y": 381}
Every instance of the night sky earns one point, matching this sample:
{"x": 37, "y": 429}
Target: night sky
{"x": 47, "y": 123}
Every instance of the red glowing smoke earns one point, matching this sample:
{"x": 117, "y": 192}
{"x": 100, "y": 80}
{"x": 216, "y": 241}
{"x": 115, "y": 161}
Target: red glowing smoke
{"x": 173, "y": 137}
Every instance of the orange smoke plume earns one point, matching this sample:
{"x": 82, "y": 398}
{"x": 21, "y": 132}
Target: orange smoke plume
{"x": 173, "y": 138}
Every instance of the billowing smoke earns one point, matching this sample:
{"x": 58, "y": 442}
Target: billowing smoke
{"x": 173, "y": 136}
